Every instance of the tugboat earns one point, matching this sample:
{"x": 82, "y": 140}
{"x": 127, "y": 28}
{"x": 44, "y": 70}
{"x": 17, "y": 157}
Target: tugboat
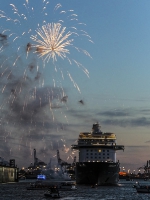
{"x": 73, "y": 187}
{"x": 141, "y": 188}
{"x": 97, "y": 157}
{"x": 66, "y": 186}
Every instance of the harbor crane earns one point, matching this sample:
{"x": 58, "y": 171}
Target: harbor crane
{"x": 146, "y": 167}
{"x": 60, "y": 161}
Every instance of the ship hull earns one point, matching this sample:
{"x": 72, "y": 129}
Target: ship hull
{"x": 101, "y": 173}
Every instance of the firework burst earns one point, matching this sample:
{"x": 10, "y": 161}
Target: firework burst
{"x": 53, "y": 41}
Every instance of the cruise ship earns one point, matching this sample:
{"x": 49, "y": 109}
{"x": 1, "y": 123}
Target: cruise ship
{"x": 97, "y": 157}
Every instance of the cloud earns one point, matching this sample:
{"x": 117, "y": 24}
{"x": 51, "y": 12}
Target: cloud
{"x": 116, "y": 113}
{"x": 137, "y": 122}
{"x": 125, "y": 117}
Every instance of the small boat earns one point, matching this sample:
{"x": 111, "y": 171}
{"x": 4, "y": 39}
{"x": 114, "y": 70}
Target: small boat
{"x": 142, "y": 188}
{"x": 52, "y": 192}
{"x": 94, "y": 186}
{"x": 37, "y": 186}
{"x": 67, "y": 187}
{"x": 73, "y": 187}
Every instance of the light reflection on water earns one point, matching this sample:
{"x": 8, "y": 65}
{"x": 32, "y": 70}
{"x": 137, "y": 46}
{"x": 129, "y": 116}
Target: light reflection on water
{"x": 124, "y": 191}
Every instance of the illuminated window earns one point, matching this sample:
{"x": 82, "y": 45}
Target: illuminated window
{"x": 99, "y": 150}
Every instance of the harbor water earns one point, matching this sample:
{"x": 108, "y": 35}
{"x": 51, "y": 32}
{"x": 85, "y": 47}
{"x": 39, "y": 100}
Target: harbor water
{"x": 124, "y": 191}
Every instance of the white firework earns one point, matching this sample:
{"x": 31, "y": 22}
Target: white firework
{"x": 53, "y": 42}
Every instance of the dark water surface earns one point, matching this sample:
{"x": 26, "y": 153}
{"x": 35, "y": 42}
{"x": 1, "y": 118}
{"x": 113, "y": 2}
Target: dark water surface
{"x": 124, "y": 191}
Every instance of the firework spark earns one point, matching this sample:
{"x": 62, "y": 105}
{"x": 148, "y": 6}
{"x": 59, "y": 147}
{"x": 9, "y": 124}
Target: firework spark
{"x": 53, "y": 41}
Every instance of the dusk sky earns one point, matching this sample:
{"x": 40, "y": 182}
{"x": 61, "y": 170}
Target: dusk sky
{"x": 40, "y": 102}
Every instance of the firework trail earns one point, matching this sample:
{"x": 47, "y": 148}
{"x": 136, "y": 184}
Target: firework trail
{"x": 32, "y": 43}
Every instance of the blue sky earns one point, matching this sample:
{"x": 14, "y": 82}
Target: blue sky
{"x": 116, "y": 93}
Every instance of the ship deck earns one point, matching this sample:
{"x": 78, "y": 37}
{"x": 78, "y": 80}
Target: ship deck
{"x": 114, "y": 147}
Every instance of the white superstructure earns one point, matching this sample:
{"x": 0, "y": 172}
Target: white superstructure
{"x": 98, "y": 140}
{"x": 96, "y": 146}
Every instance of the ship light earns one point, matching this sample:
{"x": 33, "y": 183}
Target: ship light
{"x": 41, "y": 177}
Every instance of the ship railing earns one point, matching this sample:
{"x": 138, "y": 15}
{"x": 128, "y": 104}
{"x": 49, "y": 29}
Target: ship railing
{"x": 97, "y": 136}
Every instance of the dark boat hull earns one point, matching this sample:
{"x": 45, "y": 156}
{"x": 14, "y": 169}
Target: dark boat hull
{"x": 143, "y": 188}
{"x": 49, "y": 195}
{"x": 143, "y": 191}
{"x": 101, "y": 173}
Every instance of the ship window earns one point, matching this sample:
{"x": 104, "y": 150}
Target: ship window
{"x": 103, "y": 150}
{"x": 107, "y": 154}
{"x": 103, "y": 153}
{"x": 99, "y": 150}
{"x": 86, "y": 153}
{"x": 87, "y": 150}
{"x": 91, "y": 153}
{"x": 103, "y": 157}
{"x": 107, "y": 157}
{"x": 107, "y": 150}
{"x": 95, "y": 157}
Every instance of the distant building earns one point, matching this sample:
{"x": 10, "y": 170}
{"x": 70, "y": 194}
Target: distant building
{"x": 8, "y": 171}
